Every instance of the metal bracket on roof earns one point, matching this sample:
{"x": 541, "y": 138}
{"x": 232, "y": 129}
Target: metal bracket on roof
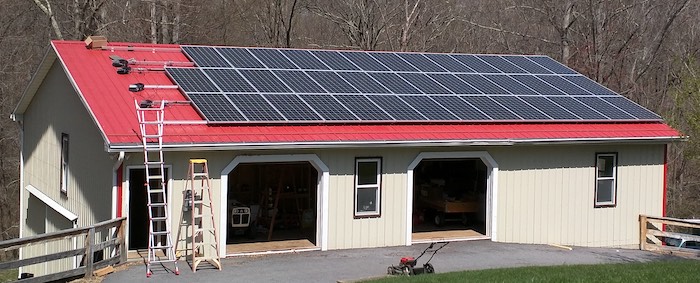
{"x": 140, "y": 86}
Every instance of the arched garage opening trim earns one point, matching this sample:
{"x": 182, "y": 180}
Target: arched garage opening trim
{"x": 322, "y": 191}
{"x": 492, "y": 186}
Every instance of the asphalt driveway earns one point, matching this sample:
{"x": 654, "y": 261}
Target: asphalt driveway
{"x": 332, "y": 266}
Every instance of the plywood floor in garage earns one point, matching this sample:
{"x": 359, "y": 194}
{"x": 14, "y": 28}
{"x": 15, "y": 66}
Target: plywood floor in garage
{"x": 446, "y": 235}
{"x": 273, "y": 246}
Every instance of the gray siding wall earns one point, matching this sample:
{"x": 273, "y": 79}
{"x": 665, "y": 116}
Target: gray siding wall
{"x": 544, "y": 193}
{"x": 56, "y": 109}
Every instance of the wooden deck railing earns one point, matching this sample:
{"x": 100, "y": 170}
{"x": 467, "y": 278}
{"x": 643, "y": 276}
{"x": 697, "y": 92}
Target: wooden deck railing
{"x": 655, "y": 237}
{"x": 114, "y": 250}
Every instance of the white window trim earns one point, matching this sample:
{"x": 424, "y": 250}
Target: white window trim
{"x": 378, "y": 187}
{"x": 613, "y": 202}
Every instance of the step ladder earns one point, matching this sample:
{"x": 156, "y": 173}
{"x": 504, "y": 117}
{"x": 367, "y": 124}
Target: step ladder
{"x": 151, "y": 122}
{"x": 203, "y": 233}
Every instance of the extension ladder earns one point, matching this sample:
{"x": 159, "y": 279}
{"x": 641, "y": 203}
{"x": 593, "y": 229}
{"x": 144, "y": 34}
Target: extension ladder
{"x": 203, "y": 232}
{"x": 159, "y": 234}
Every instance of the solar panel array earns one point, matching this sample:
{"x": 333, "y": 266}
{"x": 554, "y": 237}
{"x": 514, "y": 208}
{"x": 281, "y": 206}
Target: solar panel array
{"x": 239, "y": 85}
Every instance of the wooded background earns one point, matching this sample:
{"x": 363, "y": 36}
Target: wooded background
{"x": 646, "y": 50}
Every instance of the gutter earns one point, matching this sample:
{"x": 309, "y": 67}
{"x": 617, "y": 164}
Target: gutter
{"x": 381, "y": 144}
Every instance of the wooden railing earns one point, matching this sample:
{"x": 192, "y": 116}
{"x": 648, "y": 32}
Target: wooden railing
{"x": 657, "y": 233}
{"x": 113, "y": 250}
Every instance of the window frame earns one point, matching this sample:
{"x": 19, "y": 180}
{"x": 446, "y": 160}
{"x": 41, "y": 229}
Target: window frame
{"x": 377, "y": 186}
{"x": 63, "y": 176}
{"x": 613, "y": 202}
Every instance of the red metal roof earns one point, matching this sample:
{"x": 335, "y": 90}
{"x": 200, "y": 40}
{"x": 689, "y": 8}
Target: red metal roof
{"x": 107, "y": 97}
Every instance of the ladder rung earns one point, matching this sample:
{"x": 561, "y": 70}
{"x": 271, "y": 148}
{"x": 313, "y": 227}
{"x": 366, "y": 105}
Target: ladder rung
{"x": 157, "y": 162}
{"x": 153, "y": 177}
{"x": 157, "y": 204}
{"x": 155, "y": 191}
{"x": 159, "y": 218}
{"x": 158, "y": 233}
{"x": 161, "y": 247}
{"x": 157, "y": 121}
{"x": 200, "y": 175}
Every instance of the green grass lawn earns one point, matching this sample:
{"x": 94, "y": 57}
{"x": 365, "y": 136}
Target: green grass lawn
{"x": 8, "y": 275}
{"x": 665, "y": 271}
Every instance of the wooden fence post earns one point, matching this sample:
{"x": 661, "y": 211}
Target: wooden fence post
{"x": 642, "y": 232}
{"x": 89, "y": 252}
{"x": 122, "y": 241}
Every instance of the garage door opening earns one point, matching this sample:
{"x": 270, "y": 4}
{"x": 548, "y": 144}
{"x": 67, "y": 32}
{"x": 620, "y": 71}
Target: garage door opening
{"x": 272, "y": 207}
{"x": 449, "y": 199}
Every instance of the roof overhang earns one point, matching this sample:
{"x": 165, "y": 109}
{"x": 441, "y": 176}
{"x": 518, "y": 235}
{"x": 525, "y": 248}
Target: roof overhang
{"x": 34, "y": 84}
{"x": 380, "y": 144}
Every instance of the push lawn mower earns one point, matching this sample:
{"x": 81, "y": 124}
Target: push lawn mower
{"x": 407, "y": 265}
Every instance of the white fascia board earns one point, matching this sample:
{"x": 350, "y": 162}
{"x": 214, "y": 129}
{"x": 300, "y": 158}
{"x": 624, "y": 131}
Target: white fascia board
{"x": 52, "y": 203}
{"x": 423, "y": 143}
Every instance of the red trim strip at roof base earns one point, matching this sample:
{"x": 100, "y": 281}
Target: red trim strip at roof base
{"x": 107, "y": 97}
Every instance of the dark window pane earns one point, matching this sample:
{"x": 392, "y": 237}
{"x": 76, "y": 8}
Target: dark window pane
{"x": 605, "y": 191}
{"x": 367, "y": 173}
{"x": 367, "y": 200}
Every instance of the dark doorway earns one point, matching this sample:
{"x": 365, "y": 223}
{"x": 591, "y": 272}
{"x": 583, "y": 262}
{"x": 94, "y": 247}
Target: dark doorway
{"x": 138, "y": 207}
{"x": 282, "y": 202}
{"x": 450, "y": 195}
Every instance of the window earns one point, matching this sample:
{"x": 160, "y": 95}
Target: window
{"x": 367, "y": 184}
{"x": 64, "y": 164}
{"x": 606, "y": 183}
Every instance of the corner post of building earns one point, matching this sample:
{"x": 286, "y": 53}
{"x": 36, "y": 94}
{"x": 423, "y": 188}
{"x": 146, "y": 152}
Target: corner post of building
{"x": 121, "y": 239}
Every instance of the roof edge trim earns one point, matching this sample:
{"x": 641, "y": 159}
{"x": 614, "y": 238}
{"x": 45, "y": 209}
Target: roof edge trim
{"x": 429, "y": 143}
{"x": 37, "y": 79}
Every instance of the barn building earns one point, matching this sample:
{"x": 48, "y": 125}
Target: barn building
{"x": 348, "y": 149}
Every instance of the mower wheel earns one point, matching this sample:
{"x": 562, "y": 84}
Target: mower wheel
{"x": 428, "y": 268}
{"x": 407, "y": 270}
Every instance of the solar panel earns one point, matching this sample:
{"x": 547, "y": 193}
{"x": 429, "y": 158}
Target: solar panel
{"x": 262, "y": 85}
{"x": 554, "y": 66}
{"x": 606, "y": 108}
{"x": 396, "y": 107}
{"x": 449, "y": 63}
{"x": 454, "y": 84}
{"x": 292, "y": 107}
{"x": 205, "y": 56}
{"x": 564, "y": 85}
{"x": 421, "y": 62}
{"x": 501, "y": 64}
{"x": 482, "y": 84}
{"x": 363, "y": 82}
{"x": 394, "y": 62}
{"x": 521, "y": 108}
{"x": 488, "y": 105}
{"x": 272, "y": 58}
{"x": 475, "y": 63}
{"x": 328, "y": 107}
{"x": 362, "y": 107}
{"x": 429, "y": 108}
{"x": 578, "y": 108}
{"x": 240, "y": 58}
{"x": 191, "y": 80}
{"x": 395, "y": 83}
{"x": 539, "y": 86}
{"x": 255, "y": 107}
{"x": 304, "y": 59}
{"x": 459, "y": 107}
{"x": 216, "y": 108}
{"x": 550, "y": 108}
{"x": 364, "y": 61}
{"x": 510, "y": 84}
{"x": 424, "y": 83}
{"x": 299, "y": 82}
{"x": 264, "y": 81}
{"x": 589, "y": 85}
{"x": 332, "y": 82}
{"x": 334, "y": 60}
{"x": 526, "y": 64}
{"x": 229, "y": 80}
{"x": 632, "y": 108}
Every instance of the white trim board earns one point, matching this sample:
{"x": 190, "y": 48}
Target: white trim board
{"x": 52, "y": 203}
